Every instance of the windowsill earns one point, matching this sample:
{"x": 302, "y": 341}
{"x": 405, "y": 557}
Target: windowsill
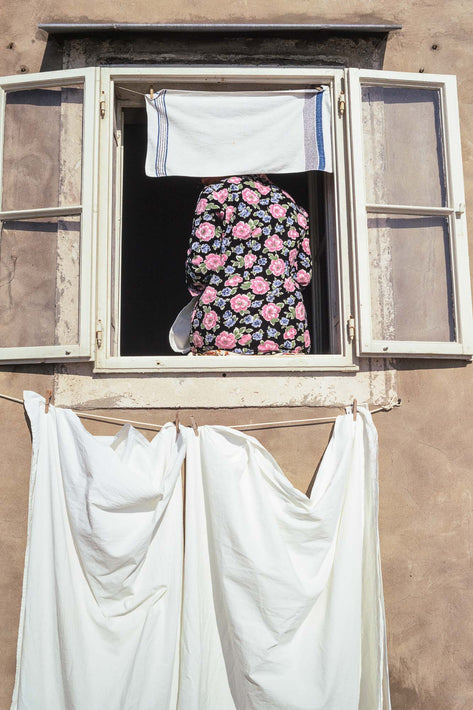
{"x": 373, "y": 381}
{"x": 232, "y": 363}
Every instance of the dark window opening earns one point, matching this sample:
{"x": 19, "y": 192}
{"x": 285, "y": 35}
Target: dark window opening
{"x": 156, "y": 224}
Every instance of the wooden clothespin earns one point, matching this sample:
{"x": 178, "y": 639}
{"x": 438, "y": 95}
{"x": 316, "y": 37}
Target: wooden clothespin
{"x": 176, "y": 424}
{"x": 151, "y": 93}
{"x": 355, "y": 409}
{"x": 194, "y": 426}
{"x": 49, "y": 394}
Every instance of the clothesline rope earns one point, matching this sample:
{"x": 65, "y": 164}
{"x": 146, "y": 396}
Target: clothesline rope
{"x": 293, "y": 91}
{"x": 394, "y": 402}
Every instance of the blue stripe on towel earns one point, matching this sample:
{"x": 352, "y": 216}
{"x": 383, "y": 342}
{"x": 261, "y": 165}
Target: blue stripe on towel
{"x": 157, "y": 142}
{"x": 319, "y": 129}
{"x": 167, "y": 132}
{"x": 162, "y": 136}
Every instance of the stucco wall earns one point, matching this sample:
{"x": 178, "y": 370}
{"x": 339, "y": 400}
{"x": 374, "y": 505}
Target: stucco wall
{"x": 426, "y": 448}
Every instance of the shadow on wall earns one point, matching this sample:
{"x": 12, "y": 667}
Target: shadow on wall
{"x": 404, "y": 696}
{"x": 430, "y": 364}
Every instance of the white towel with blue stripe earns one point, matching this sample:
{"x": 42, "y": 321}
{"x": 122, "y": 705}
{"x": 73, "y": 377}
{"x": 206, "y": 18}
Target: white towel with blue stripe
{"x": 210, "y": 134}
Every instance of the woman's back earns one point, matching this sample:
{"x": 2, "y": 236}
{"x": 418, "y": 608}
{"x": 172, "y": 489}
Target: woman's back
{"x": 248, "y": 259}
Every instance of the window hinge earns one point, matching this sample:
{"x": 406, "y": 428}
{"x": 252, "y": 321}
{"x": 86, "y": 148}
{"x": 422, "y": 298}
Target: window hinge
{"x": 102, "y": 105}
{"x": 99, "y": 334}
{"x": 460, "y": 209}
{"x": 341, "y": 103}
{"x": 351, "y": 328}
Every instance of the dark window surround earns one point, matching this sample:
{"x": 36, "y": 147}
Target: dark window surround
{"x": 72, "y": 45}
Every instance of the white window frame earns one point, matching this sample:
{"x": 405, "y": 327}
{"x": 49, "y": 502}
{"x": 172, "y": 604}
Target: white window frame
{"x": 98, "y": 235}
{"x": 454, "y": 211}
{"x": 83, "y": 350}
{"x": 105, "y": 361}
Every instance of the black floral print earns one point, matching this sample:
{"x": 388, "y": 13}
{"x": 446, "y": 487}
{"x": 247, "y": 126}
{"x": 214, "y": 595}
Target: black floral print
{"x": 248, "y": 259}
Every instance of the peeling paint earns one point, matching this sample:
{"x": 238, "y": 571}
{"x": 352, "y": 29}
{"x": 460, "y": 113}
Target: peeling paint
{"x": 310, "y": 48}
{"x": 76, "y": 386}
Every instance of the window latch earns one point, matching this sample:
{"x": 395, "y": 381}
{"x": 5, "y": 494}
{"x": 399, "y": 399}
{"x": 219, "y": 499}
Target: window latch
{"x": 351, "y": 328}
{"x": 460, "y": 209}
{"x": 341, "y": 103}
{"x": 102, "y": 106}
{"x": 99, "y": 334}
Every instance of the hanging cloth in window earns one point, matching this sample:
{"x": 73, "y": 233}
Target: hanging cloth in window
{"x": 280, "y": 605}
{"x": 211, "y": 134}
{"x": 282, "y": 590}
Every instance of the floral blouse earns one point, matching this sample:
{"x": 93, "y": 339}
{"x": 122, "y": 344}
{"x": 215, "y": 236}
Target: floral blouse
{"x": 248, "y": 259}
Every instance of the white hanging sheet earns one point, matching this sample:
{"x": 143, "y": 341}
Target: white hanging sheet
{"x": 101, "y": 603}
{"x": 297, "y": 591}
{"x": 280, "y": 605}
{"x": 210, "y": 134}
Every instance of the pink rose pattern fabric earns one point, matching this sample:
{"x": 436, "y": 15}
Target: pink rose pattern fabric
{"x": 248, "y": 261}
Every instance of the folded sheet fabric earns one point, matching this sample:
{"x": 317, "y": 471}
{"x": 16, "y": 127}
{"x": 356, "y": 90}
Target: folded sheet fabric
{"x": 280, "y": 605}
{"x": 210, "y": 134}
{"x": 103, "y": 572}
{"x": 296, "y": 613}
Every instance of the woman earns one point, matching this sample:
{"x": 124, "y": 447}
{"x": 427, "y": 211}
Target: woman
{"x": 248, "y": 260}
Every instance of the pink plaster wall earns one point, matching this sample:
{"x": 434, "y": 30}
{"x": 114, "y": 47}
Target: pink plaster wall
{"x": 426, "y": 447}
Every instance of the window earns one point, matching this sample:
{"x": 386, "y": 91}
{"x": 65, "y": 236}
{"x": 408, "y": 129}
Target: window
{"x": 46, "y": 216}
{"x": 86, "y": 238}
{"x": 411, "y": 248}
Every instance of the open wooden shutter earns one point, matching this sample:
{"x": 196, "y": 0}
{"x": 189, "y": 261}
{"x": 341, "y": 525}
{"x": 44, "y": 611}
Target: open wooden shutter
{"x": 410, "y": 239}
{"x": 47, "y": 182}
